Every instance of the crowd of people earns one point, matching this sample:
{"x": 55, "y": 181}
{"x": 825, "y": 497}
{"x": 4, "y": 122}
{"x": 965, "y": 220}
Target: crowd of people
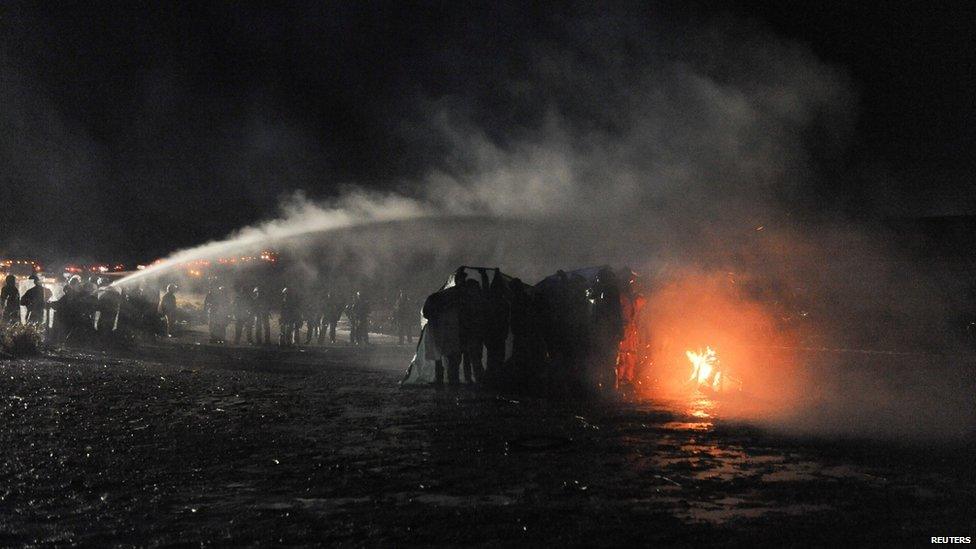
{"x": 249, "y": 310}
{"x": 570, "y": 335}
{"x": 83, "y": 311}
{"x": 96, "y": 309}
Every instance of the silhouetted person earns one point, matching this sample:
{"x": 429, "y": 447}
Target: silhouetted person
{"x": 10, "y": 300}
{"x": 575, "y": 326}
{"x": 528, "y": 325}
{"x": 335, "y": 308}
{"x": 262, "y": 315}
{"x": 151, "y": 317}
{"x": 218, "y": 306}
{"x": 474, "y": 311}
{"x": 359, "y": 317}
{"x": 405, "y": 317}
{"x": 632, "y": 302}
{"x": 138, "y": 308}
{"x": 109, "y": 308}
{"x": 87, "y": 307}
{"x": 606, "y": 330}
{"x": 497, "y": 324}
{"x": 443, "y": 342}
{"x": 168, "y": 310}
{"x": 324, "y": 310}
{"x": 35, "y": 301}
{"x": 64, "y": 310}
{"x": 313, "y": 317}
{"x": 291, "y": 316}
{"x": 244, "y": 306}
{"x": 128, "y": 312}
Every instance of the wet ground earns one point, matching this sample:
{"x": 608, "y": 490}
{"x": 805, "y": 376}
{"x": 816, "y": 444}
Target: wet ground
{"x": 174, "y": 444}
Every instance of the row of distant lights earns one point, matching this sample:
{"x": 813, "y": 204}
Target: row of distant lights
{"x": 197, "y": 267}
{"x": 8, "y": 263}
{"x": 118, "y": 267}
{"x": 194, "y": 268}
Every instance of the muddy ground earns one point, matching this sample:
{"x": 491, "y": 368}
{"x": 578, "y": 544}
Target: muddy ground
{"x": 183, "y": 443}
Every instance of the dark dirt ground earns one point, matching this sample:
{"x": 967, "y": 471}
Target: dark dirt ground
{"x": 173, "y": 444}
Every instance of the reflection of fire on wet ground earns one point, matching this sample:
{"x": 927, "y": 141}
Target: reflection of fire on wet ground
{"x": 316, "y": 448}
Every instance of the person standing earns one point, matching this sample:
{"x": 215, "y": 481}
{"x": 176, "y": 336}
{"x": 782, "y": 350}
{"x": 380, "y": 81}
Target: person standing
{"x": 335, "y": 308}
{"x": 443, "y": 343}
{"x": 606, "y": 330}
{"x": 35, "y": 301}
{"x": 244, "y": 316}
{"x": 262, "y": 316}
{"x": 403, "y": 314}
{"x": 109, "y": 304}
{"x": 168, "y": 310}
{"x": 472, "y": 320}
{"x": 210, "y": 307}
{"x": 313, "y": 317}
{"x": 497, "y": 328}
{"x": 291, "y": 317}
{"x": 218, "y": 308}
{"x": 360, "y": 319}
{"x": 10, "y": 300}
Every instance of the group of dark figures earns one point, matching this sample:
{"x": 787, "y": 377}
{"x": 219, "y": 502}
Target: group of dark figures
{"x": 591, "y": 330}
{"x": 96, "y": 309}
{"x": 570, "y": 336}
{"x": 249, "y": 309}
{"x": 88, "y": 309}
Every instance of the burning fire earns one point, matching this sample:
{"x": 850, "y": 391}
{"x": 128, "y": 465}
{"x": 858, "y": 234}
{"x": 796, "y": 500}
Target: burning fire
{"x": 705, "y": 368}
{"x": 748, "y": 364}
{"x": 707, "y": 371}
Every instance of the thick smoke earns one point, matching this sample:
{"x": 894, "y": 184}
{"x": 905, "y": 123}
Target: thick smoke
{"x": 684, "y": 140}
{"x": 670, "y": 150}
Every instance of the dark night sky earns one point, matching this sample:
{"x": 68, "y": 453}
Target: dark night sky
{"x": 132, "y": 129}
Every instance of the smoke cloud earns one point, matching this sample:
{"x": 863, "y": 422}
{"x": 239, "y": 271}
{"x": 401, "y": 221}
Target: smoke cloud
{"x": 699, "y": 141}
{"x": 666, "y": 147}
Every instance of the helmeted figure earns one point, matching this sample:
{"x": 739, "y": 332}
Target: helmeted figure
{"x": 10, "y": 300}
